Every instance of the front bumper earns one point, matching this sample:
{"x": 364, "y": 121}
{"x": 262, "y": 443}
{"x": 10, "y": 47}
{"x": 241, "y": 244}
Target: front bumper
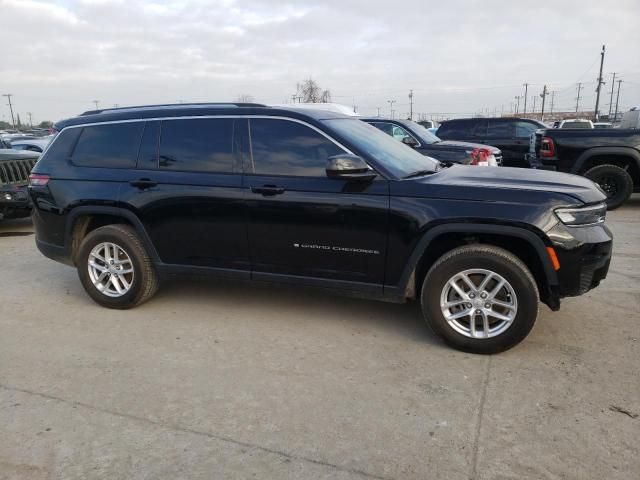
{"x": 584, "y": 254}
{"x": 14, "y": 201}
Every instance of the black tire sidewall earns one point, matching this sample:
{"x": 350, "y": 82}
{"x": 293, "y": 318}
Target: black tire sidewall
{"x": 109, "y": 234}
{"x": 624, "y": 183}
{"x": 526, "y": 294}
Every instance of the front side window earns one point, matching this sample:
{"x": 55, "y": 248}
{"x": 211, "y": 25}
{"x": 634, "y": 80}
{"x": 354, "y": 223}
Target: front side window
{"x": 499, "y": 129}
{"x": 110, "y": 145}
{"x": 283, "y": 147}
{"x": 197, "y": 145}
{"x": 393, "y": 130}
{"x": 525, "y": 129}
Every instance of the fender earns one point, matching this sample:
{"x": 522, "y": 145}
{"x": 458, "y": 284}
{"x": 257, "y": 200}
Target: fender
{"x": 613, "y": 151}
{"x": 115, "y": 212}
{"x": 472, "y": 228}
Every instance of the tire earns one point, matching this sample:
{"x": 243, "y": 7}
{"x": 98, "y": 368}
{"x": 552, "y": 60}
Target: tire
{"x": 615, "y": 181}
{"x": 142, "y": 280}
{"x": 519, "y": 291}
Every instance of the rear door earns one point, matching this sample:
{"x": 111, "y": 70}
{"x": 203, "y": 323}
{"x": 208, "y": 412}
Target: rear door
{"x": 303, "y": 226}
{"x": 187, "y": 190}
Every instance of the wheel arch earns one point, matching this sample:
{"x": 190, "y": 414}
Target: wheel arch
{"x": 525, "y": 244}
{"x": 620, "y": 156}
{"x": 84, "y": 219}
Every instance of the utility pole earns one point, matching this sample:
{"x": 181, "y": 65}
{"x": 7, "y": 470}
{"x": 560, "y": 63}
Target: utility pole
{"x": 411, "y": 104}
{"x": 378, "y": 111}
{"x": 517, "y": 97}
{"x": 553, "y": 97}
{"x": 578, "y": 97}
{"x": 544, "y": 96}
{"x": 96, "y": 102}
{"x": 615, "y": 116}
{"x": 526, "y": 88}
{"x": 534, "y": 103}
{"x": 8, "y": 95}
{"x": 30, "y": 120}
{"x": 613, "y": 84}
{"x": 600, "y": 83}
{"x": 391, "y": 102}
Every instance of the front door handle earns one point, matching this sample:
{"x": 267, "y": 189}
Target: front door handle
{"x": 143, "y": 183}
{"x": 268, "y": 190}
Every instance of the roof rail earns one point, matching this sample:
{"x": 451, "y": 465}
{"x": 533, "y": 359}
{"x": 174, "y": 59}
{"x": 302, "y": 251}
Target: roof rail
{"x": 172, "y": 105}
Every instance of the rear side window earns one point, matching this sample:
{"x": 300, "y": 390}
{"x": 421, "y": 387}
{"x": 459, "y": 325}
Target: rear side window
{"x": 281, "y": 147}
{"x": 63, "y": 143}
{"x": 500, "y": 129}
{"x": 198, "y": 145}
{"x": 108, "y": 146}
{"x": 525, "y": 129}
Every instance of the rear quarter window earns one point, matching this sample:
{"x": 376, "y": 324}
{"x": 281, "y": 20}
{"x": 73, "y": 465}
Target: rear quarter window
{"x": 455, "y": 130}
{"x": 62, "y": 145}
{"x": 108, "y": 146}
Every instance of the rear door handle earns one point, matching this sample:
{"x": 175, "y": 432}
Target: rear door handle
{"x": 268, "y": 190}
{"x": 143, "y": 183}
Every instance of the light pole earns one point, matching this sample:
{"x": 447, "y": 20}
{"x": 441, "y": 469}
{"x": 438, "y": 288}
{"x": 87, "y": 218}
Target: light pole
{"x": 391, "y": 102}
{"x": 8, "y": 95}
{"x": 517, "y": 97}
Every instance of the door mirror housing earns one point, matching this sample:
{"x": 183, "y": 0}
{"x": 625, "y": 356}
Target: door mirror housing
{"x": 349, "y": 167}
{"x": 410, "y": 141}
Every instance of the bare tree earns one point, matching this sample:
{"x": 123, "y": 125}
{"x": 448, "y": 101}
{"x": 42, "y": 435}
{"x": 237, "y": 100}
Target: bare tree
{"x": 310, "y": 92}
{"x": 245, "y": 98}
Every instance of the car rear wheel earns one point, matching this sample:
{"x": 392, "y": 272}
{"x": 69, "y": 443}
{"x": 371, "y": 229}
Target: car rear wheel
{"x": 615, "y": 181}
{"x": 114, "y": 267}
{"x": 480, "y": 299}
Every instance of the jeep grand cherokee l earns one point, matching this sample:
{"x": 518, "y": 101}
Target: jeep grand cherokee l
{"x": 313, "y": 198}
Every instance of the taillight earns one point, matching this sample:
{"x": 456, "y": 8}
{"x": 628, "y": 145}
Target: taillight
{"x": 38, "y": 180}
{"x": 480, "y": 157}
{"x": 547, "y": 147}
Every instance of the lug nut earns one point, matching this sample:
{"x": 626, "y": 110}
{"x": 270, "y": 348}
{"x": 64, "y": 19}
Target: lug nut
{"x": 472, "y": 295}
{"x": 487, "y": 305}
{"x": 478, "y": 312}
{"x": 484, "y": 295}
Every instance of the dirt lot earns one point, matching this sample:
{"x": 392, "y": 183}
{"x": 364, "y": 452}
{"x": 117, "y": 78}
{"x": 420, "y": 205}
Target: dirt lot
{"x": 218, "y": 380}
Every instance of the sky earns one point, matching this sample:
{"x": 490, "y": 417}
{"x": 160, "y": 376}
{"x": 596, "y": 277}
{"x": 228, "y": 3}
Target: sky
{"x": 459, "y": 57}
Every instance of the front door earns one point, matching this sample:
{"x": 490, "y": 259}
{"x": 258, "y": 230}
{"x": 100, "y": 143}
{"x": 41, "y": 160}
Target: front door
{"x": 304, "y": 226}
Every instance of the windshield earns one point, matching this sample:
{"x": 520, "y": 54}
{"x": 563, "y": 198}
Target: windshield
{"x": 400, "y": 160}
{"x": 424, "y": 134}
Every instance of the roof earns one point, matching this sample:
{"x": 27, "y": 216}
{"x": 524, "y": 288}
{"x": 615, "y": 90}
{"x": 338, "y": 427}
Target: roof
{"x": 194, "y": 110}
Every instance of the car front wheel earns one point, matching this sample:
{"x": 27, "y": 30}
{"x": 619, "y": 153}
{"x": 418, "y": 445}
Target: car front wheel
{"x": 480, "y": 299}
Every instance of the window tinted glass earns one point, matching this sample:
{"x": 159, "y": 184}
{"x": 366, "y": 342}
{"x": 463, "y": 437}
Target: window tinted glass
{"x": 455, "y": 130}
{"x": 395, "y": 157}
{"x": 281, "y": 147}
{"x": 111, "y": 146}
{"x": 385, "y": 127}
{"x": 500, "y": 129}
{"x": 148, "y": 154}
{"x": 525, "y": 129}
{"x": 392, "y": 130}
{"x": 197, "y": 145}
{"x": 63, "y": 143}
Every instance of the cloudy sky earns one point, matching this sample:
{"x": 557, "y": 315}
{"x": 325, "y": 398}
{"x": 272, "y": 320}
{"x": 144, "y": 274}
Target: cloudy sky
{"x": 459, "y": 57}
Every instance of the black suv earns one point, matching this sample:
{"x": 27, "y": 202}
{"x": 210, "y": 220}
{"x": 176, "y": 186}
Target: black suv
{"x": 313, "y": 198}
{"x": 511, "y": 135}
{"x": 419, "y": 138}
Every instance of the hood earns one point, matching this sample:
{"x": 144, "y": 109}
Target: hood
{"x": 504, "y": 184}
{"x": 454, "y": 144}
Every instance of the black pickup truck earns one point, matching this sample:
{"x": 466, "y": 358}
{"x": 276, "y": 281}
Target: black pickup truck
{"x": 609, "y": 157}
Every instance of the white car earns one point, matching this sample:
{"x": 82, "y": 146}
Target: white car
{"x": 575, "y": 123}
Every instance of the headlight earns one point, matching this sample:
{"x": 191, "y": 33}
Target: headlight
{"x": 580, "y": 217}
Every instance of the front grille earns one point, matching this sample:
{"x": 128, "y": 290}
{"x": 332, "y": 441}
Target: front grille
{"x": 16, "y": 171}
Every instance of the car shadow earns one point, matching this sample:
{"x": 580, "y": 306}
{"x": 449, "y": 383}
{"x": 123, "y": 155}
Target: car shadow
{"x": 296, "y": 303}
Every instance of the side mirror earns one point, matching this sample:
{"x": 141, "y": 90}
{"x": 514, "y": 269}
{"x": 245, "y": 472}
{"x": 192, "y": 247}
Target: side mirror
{"x": 410, "y": 141}
{"x": 349, "y": 167}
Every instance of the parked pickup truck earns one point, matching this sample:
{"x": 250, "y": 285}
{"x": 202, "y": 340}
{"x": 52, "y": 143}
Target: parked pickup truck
{"x": 609, "y": 157}
{"x": 15, "y": 167}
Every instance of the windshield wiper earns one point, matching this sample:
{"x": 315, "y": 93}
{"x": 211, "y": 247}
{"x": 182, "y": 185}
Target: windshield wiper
{"x": 418, "y": 173}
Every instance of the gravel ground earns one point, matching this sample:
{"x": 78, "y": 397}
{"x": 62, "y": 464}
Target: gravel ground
{"x": 224, "y": 380}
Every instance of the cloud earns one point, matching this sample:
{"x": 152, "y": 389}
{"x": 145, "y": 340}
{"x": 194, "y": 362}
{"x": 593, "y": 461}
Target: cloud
{"x": 458, "y": 56}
